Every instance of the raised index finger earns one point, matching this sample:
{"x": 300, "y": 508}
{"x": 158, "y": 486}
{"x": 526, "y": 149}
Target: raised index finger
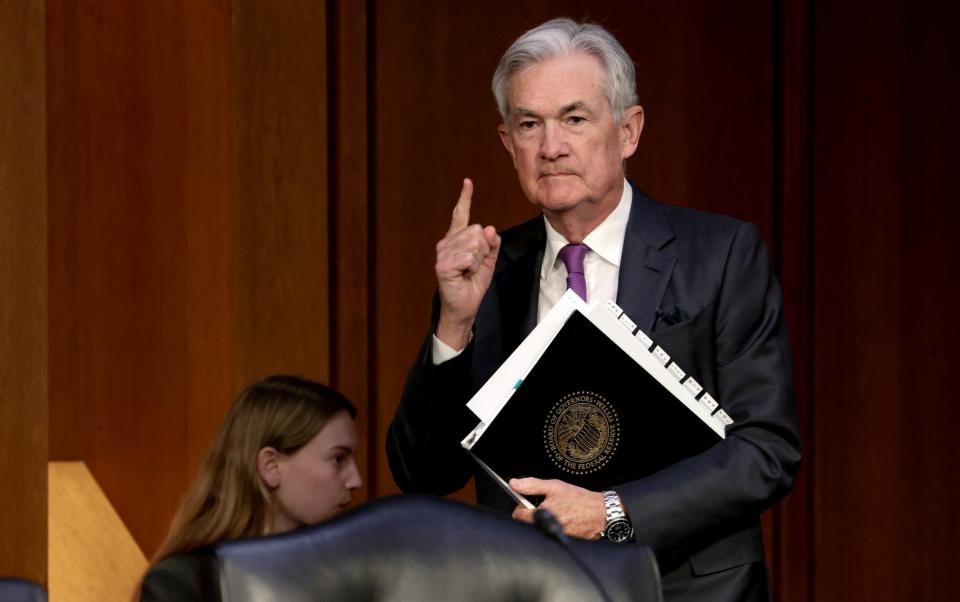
{"x": 461, "y": 212}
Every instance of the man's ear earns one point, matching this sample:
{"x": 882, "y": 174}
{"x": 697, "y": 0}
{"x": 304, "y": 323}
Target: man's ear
{"x": 507, "y": 141}
{"x": 268, "y": 465}
{"x": 630, "y": 130}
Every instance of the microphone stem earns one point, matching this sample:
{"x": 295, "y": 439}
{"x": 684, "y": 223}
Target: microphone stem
{"x": 548, "y": 525}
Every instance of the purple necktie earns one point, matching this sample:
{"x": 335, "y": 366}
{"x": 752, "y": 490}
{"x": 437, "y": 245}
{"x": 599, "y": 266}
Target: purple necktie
{"x": 572, "y": 257}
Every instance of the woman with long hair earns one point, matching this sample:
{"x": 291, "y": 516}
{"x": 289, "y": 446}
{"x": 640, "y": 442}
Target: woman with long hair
{"x": 283, "y": 458}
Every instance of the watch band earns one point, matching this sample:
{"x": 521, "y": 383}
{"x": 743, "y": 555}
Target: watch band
{"x": 618, "y": 529}
{"x": 613, "y": 505}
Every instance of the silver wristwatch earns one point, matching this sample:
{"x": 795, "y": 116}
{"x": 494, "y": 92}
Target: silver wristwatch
{"x": 619, "y": 529}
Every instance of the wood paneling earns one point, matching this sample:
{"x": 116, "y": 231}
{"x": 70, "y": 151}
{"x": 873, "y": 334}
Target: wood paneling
{"x": 23, "y": 292}
{"x": 281, "y": 171}
{"x": 141, "y": 235}
{"x": 92, "y": 555}
{"x": 886, "y": 91}
{"x": 189, "y": 229}
{"x": 789, "y": 550}
{"x": 211, "y": 235}
{"x": 350, "y": 290}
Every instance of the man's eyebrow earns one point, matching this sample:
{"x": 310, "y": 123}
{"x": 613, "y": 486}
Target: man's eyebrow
{"x": 577, "y": 105}
{"x": 521, "y": 112}
{"x": 573, "y": 106}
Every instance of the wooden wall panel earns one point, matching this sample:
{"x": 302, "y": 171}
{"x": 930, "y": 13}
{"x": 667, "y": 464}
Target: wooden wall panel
{"x": 23, "y": 292}
{"x": 139, "y": 133}
{"x": 211, "y": 214}
{"x": 189, "y": 229}
{"x": 789, "y": 549}
{"x": 282, "y": 245}
{"x": 351, "y": 338}
{"x": 886, "y": 90}
{"x": 705, "y": 79}
{"x": 71, "y": 424}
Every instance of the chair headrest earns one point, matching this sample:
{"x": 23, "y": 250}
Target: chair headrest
{"x": 425, "y": 548}
{"x": 21, "y": 590}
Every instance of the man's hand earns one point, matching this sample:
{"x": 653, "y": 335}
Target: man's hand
{"x": 466, "y": 257}
{"x": 580, "y": 512}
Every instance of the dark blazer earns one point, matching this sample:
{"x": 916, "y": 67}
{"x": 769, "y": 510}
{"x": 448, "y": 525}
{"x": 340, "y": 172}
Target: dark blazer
{"x": 712, "y": 275}
{"x": 174, "y": 579}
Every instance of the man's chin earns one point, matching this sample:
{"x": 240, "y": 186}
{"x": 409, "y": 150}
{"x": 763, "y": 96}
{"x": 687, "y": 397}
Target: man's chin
{"x": 559, "y": 201}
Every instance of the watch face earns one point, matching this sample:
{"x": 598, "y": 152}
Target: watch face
{"x": 619, "y": 531}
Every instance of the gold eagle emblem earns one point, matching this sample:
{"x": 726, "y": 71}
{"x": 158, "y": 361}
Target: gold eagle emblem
{"x": 581, "y": 433}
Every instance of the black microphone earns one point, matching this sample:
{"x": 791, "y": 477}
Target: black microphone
{"x": 548, "y": 524}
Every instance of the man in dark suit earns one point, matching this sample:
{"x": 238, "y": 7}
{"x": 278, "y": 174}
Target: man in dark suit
{"x": 700, "y": 283}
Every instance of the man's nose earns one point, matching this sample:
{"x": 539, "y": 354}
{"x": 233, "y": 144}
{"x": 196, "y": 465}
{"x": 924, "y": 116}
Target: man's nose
{"x": 553, "y": 145}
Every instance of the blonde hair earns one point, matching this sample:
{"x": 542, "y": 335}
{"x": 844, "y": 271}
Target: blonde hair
{"x": 228, "y": 499}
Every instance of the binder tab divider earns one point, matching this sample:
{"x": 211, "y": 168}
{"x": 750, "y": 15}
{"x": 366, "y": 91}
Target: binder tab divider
{"x": 693, "y": 386}
{"x": 708, "y": 401}
{"x": 614, "y": 308}
{"x": 662, "y": 356}
{"x": 676, "y": 371}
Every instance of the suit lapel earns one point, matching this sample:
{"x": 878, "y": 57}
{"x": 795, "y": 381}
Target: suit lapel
{"x": 646, "y": 262}
{"x": 518, "y": 282}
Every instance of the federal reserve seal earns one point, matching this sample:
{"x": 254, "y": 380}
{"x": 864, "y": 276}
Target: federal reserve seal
{"x": 581, "y": 433}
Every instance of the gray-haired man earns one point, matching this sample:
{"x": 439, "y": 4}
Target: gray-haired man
{"x": 566, "y": 92}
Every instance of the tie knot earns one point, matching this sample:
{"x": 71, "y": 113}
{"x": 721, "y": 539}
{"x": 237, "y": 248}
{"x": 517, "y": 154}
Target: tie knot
{"x": 572, "y": 257}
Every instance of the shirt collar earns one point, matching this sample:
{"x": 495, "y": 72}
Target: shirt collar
{"x": 606, "y": 240}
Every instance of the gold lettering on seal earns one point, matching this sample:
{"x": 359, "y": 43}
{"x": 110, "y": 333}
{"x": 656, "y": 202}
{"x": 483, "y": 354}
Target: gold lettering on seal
{"x": 581, "y": 433}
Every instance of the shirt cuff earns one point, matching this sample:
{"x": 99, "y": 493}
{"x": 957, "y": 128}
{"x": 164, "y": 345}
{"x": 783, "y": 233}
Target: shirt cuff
{"x": 441, "y": 352}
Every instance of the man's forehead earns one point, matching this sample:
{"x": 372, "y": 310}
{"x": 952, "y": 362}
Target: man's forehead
{"x": 544, "y": 105}
{"x": 559, "y": 84}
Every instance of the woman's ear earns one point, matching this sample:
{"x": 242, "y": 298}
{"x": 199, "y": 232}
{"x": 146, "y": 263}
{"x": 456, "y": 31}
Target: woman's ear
{"x": 268, "y": 466}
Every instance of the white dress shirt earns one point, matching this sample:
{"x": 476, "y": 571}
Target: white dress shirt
{"x": 601, "y": 266}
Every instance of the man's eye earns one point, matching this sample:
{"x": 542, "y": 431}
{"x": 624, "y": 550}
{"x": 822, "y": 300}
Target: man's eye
{"x": 527, "y": 125}
{"x": 575, "y": 119}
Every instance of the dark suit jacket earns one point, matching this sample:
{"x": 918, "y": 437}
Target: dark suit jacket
{"x": 701, "y": 515}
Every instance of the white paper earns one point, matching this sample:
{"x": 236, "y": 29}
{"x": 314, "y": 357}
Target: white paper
{"x": 493, "y": 395}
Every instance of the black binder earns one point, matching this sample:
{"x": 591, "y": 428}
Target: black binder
{"x": 594, "y": 412}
